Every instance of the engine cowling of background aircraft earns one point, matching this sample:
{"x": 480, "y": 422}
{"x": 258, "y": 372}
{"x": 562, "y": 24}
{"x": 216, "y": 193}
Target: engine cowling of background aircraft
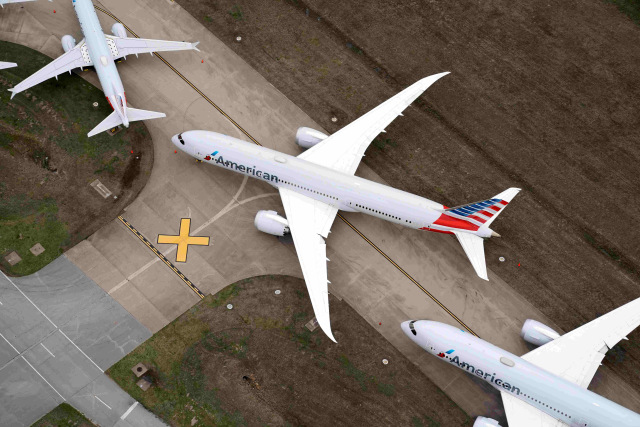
{"x": 68, "y": 43}
{"x": 271, "y": 223}
{"x": 537, "y": 333}
{"x": 118, "y": 30}
{"x": 485, "y": 422}
{"x": 307, "y": 137}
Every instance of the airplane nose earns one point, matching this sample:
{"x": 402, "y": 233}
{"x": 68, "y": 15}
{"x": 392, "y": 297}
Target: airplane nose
{"x": 405, "y": 328}
{"x": 175, "y": 141}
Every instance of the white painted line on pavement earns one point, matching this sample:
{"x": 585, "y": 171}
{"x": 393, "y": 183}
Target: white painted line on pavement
{"x": 85, "y": 354}
{"x": 23, "y": 294}
{"x": 126, "y": 414}
{"x": 9, "y": 343}
{"x": 43, "y": 378}
{"x": 102, "y": 402}
{"x": 47, "y": 349}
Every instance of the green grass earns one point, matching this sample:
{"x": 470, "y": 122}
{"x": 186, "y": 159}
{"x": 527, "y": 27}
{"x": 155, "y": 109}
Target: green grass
{"x": 36, "y": 222}
{"x": 365, "y": 380}
{"x": 174, "y": 355}
{"x": 236, "y": 13}
{"x": 63, "y": 415}
{"x": 631, "y": 8}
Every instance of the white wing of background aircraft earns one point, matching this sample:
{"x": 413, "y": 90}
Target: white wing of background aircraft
{"x": 575, "y": 357}
{"x": 3, "y": 2}
{"x": 309, "y": 219}
{"x": 4, "y": 65}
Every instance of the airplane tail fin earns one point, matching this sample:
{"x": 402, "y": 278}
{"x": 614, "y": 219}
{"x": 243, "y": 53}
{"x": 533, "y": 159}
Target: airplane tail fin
{"x": 485, "y": 212}
{"x": 474, "y": 248}
{"x": 133, "y": 114}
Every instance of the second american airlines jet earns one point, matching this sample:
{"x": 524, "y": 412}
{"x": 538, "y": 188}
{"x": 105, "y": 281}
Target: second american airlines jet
{"x": 319, "y": 182}
{"x": 546, "y": 387}
{"x": 101, "y": 51}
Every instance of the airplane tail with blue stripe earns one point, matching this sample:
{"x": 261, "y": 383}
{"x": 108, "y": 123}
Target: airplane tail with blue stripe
{"x": 481, "y": 214}
{"x": 485, "y": 212}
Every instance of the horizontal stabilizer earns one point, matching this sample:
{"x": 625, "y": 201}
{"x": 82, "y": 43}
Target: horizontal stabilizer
{"x": 110, "y": 122}
{"x": 135, "y": 115}
{"x": 483, "y": 213}
{"x": 474, "y": 248}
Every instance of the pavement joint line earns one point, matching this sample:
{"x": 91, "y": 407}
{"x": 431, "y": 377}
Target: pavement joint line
{"x": 144, "y": 240}
{"x": 131, "y": 408}
{"x": 48, "y": 383}
{"x": 101, "y": 401}
{"x": 47, "y": 350}
{"x": 255, "y": 141}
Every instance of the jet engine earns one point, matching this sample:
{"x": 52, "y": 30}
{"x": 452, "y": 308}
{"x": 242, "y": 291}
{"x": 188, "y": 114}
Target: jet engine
{"x": 271, "y": 223}
{"x": 68, "y": 43}
{"x": 118, "y": 30}
{"x": 537, "y": 333}
{"x": 307, "y": 137}
{"x": 485, "y": 422}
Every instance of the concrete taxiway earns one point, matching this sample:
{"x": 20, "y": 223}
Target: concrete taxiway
{"x": 222, "y": 205}
{"x": 59, "y": 331}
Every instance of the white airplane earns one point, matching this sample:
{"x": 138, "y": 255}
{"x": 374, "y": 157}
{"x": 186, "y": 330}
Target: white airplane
{"x": 546, "y": 387}
{"x": 5, "y": 65}
{"x": 101, "y": 51}
{"x": 3, "y": 2}
{"x": 321, "y": 181}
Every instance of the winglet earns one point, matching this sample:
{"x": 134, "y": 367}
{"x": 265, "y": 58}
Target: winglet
{"x": 193, "y": 46}
{"x": 13, "y": 93}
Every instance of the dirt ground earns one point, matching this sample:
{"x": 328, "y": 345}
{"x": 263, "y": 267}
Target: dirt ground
{"x": 542, "y": 96}
{"x": 257, "y": 364}
{"x": 45, "y": 153}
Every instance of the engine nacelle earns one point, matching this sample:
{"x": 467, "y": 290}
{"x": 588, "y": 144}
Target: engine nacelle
{"x": 485, "y": 422}
{"x": 307, "y": 137}
{"x": 118, "y": 30}
{"x": 271, "y": 223}
{"x": 537, "y": 333}
{"x": 68, "y": 43}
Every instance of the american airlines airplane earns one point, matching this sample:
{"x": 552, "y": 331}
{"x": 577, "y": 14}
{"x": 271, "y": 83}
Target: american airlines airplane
{"x": 3, "y": 2}
{"x": 101, "y": 51}
{"x": 546, "y": 387}
{"x": 4, "y": 65}
{"x": 319, "y": 182}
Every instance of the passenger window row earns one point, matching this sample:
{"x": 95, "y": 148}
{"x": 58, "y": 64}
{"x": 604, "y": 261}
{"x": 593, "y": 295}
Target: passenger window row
{"x": 309, "y": 189}
{"x": 382, "y": 213}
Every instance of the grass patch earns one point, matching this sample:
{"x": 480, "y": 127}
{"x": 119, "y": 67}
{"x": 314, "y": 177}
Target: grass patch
{"x": 225, "y": 295}
{"x": 25, "y": 222}
{"x": 365, "y": 380}
{"x": 631, "y": 8}
{"x": 381, "y": 143}
{"x": 64, "y": 415}
{"x": 236, "y": 13}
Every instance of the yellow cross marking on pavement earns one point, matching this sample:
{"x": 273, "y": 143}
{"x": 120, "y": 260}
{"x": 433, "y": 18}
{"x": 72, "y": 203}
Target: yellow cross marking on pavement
{"x": 183, "y": 240}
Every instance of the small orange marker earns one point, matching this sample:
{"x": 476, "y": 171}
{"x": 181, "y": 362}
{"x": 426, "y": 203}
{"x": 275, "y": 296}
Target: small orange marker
{"x": 54, "y": 11}
{"x": 203, "y": 61}
{"x": 175, "y": 151}
{"x": 518, "y": 264}
{"x": 380, "y": 323}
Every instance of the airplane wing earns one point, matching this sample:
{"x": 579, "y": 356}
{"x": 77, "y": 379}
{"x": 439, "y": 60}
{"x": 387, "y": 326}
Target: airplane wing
{"x": 4, "y": 65}
{"x": 520, "y": 413}
{"x": 75, "y": 58}
{"x": 576, "y": 356}
{"x": 3, "y": 2}
{"x": 343, "y": 150}
{"x": 309, "y": 221}
{"x": 123, "y": 46}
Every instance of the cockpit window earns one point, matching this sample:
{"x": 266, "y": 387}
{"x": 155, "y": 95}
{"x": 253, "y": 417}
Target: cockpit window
{"x": 413, "y": 330}
{"x": 180, "y": 139}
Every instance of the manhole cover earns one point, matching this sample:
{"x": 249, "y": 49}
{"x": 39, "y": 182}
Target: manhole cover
{"x": 95, "y": 104}
{"x": 334, "y": 119}
{"x": 277, "y": 291}
{"x": 385, "y": 362}
{"x": 501, "y": 259}
{"x": 238, "y": 39}
{"x": 229, "y": 306}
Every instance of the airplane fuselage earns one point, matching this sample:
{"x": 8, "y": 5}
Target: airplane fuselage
{"x": 557, "y": 397}
{"x": 343, "y": 191}
{"x": 101, "y": 56}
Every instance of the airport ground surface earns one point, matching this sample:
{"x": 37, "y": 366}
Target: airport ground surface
{"x": 543, "y": 97}
{"x": 257, "y": 364}
{"x": 47, "y": 163}
{"x": 222, "y": 205}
